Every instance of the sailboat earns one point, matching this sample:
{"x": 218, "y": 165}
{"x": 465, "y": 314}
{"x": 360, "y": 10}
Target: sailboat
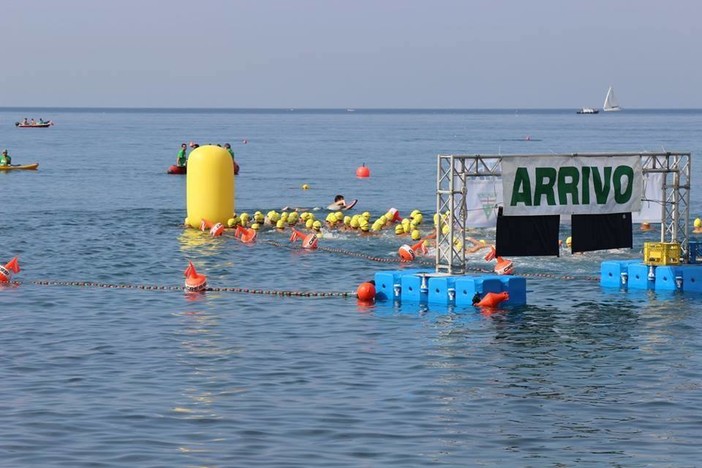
{"x": 610, "y": 103}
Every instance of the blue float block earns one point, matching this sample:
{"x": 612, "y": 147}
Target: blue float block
{"x": 491, "y": 283}
{"x": 442, "y": 290}
{"x": 692, "y": 278}
{"x": 467, "y": 286}
{"x": 638, "y": 276}
{"x": 695, "y": 251}
{"x": 414, "y": 288}
{"x": 385, "y": 284}
{"x": 615, "y": 273}
{"x": 388, "y": 283}
{"x": 668, "y": 278}
{"x": 516, "y": 287}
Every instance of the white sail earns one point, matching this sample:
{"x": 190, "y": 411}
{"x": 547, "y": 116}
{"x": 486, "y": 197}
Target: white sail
{"x": 610, "y": 102}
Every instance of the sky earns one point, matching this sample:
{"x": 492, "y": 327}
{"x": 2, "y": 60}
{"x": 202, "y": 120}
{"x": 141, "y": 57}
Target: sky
{"x": 351, "y": 53}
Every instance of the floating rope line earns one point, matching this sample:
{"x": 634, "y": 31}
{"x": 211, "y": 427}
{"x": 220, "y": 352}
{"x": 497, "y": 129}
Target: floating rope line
{"x": 425, "y": 262}
{"x": 151, "y": 287}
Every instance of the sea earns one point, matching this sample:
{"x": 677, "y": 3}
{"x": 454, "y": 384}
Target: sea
{"x": 106, "y": 362}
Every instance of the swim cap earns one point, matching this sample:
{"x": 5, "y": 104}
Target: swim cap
{"x": 399, "y": 230}
{"x": 316, "y": 225}
{"x": 569, "y": 241}
{"x": 347, "y": 220}
{"x": 366, "y": 215}
{"x": 309, "y": 223}
{"x": 698, "y": 223}
{"x": 339, "y": 215}
{"x": 416, "y": 234}
{"x": 354, "y": 222}
{"x": 280, "y": 224}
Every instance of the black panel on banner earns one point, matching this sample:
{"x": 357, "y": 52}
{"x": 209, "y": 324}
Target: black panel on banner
{"x": 601, "y": 232}
{"x": 525, "y": 236}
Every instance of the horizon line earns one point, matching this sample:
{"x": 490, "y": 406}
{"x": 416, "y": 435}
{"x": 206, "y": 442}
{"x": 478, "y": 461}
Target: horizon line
{"x": 349, "y": 109}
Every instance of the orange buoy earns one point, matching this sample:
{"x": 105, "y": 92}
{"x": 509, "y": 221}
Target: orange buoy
{"x": 366, "y": 292}
{"x": 420, "y": 247}
{"x": 215, "y": 229}
{"x": 6, "y": 271}
{"x": 245, "y": 235}
{"x": 491, "y": 254}
{"x": 363, "y": 171}
{"x": 395, "y": 215}
{"x": 503, "y": 266}
{"x": 406, "y": 253}
{"x": 309, "y": 241}
{"x": 194, "y": 282}
{"x": 492, "y": 299}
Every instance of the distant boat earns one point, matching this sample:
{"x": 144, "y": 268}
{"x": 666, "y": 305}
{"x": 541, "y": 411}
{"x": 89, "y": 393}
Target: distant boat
{"x": 34, "y": 125}
{"x": 588, "y": 110}
{"x": 610, "y": 103}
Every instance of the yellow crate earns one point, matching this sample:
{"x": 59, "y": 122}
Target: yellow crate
{"x": 662, "y": 253}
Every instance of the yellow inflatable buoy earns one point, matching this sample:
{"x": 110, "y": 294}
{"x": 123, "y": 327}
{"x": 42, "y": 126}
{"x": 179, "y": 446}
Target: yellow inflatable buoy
{"x": 209, "y": 185}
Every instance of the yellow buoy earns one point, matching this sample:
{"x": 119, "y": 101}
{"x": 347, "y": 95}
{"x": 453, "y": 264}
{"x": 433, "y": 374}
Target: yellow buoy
{"x": 209, "y": 185}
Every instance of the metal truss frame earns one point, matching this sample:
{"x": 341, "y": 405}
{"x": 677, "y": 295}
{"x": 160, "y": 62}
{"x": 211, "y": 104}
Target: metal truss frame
{"x": 452, "y": 184}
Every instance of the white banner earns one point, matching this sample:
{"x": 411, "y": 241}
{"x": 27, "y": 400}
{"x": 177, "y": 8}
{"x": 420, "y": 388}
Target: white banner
{"x": 484, "y": 196}
{"x": 564, "y": 185}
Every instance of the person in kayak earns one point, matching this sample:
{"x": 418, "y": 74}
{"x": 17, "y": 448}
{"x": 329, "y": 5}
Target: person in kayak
{"x": 5, "y": 159}
{"x": 228, "y": 147}
{"x": 182, "y": 159}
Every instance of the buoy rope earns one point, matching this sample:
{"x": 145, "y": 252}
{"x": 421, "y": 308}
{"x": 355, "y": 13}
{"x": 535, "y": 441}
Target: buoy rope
{"x": 426, "y": 262}
{"x": 152, "y": 287}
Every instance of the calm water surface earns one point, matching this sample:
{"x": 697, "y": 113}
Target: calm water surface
{"x": 130, "y": 377}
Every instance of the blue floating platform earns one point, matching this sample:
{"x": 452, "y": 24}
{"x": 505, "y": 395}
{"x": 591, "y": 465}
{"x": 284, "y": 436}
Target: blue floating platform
{"x": 630, "y": 274}
{"x": 427, "y": 287}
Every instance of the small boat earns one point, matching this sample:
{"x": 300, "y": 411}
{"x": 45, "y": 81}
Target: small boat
{"x": 20, "y": 167}
{"x": 34, "y": 125}
{"x": 184, "y": 169}
{"x": 588, "y": 110}
{"x": 610, "y": 103}
{"x": 177, "y": 169}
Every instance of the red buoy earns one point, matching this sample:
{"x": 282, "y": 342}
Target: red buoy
{"x": 6, "y": 271}
{"x": 493, "y": 300}
{"x": 363, "y": 171}
{"x": 366, "y": 292}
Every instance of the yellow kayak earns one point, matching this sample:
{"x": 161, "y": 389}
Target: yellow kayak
{"x": 20, "y": 167}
